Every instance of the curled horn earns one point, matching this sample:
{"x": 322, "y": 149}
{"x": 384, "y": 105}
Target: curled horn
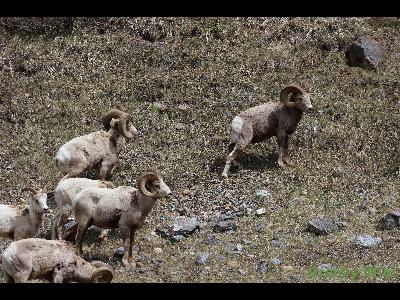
{"x": 112, "y": 113}
{"x": 284, "y": 95}
{"x": 103, "y": 274}
{"x": 28, "y": 189}
{"x": 123, "y": 117}
{"x": 143, "y": 180}
{"x": 123, "y": 122}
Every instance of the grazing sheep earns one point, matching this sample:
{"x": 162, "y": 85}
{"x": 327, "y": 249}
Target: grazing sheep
{"x": 21, "y": 224}
{"x": 55, "y": 261}
{"x": 97, "y": 150}
{"x": 65, "y": 191}
{"x": 262, "y": 122}
{"x": 124, "y": 207}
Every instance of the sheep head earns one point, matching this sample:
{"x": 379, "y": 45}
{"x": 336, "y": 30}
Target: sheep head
{"x": 122, "y": 121}
{"x": 152, "y": 184}
{"x": 297, "y": 96}
{"x": 38, "y": 200}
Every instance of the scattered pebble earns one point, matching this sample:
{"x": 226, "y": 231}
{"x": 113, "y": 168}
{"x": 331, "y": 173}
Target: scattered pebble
{"x": 233, "y": 264}
{"x": 202, "y": 258}
{"x": 119, "y": 253}
{"x": 321, "y": 226}
{"x": 324, "y": 267}
{"x": 261, "y": 211}
{"x": 276, "y": 261}
{"x": 262, "y": 193}
{"x": 158, "y": 250}
{"x": 262, "y": 266}
{"x": 390, "y": 220}
{"x": 366, "y": 241}
{"x": 224, "y": 226}
{"x": 179, "y": 126}
{"x": 287, "y": 268}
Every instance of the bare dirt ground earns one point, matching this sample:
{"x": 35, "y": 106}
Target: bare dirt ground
{"x": 346, "y": 152}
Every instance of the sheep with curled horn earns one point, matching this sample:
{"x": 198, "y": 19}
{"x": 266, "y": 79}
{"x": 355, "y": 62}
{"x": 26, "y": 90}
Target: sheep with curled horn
{"x": 123, "y": 207}
{"x": 54, "y": 261}
{"x": 99, "y": 149}
{"x": 270, "y": 119}
{"x": 20, "y": 224}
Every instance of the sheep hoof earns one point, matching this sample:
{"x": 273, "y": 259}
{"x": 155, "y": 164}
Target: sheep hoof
{"x": 281, "y": 164}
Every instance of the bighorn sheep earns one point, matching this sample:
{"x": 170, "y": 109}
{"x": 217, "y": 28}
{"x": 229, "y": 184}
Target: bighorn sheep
{"x": 21, "y": 224}
{"x": 261, "y": 122}
{"x": 65, "y": 191}
{"x": 98, "y": 149}
{"x": 55, "y": 261}
{"x": 124, "y": 207}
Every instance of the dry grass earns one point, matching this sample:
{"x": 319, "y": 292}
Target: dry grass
{"x": 346, "y": 153}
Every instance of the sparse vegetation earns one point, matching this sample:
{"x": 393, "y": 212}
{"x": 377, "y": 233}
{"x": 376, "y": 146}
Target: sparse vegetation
{"x": 57, "y": 85}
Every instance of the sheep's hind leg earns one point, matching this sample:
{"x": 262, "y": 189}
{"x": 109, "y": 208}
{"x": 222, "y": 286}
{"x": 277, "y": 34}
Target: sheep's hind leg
{"x": 104, "y": 169}
{"x": 231, "y": 159}
{"x": 80, "y": 234}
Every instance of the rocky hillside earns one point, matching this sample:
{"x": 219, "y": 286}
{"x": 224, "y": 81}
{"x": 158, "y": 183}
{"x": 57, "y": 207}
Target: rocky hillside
{"x": 183, "y": 80}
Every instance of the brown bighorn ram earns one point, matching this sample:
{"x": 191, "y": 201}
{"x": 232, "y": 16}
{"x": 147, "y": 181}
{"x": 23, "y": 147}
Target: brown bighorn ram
{"x": 98, "y": 149}
{"x": 54, "y": 261}
{"x": 124, "y": 207}
{"x": 262, "y": 122}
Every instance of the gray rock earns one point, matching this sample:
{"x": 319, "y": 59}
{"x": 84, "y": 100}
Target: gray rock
{"x": 211, "y": 240}
{"x": 185, "y": 225}
{"x": 224, "y": 226}
{"x": 182, "y": 227}
{"x": 262, "y": 266}
{"x": 390, "y": 221}
{"x": 276, "y": 261}
{"x": 366, "y": 241}
{"x": 119, "y": 253}
{"x": 278, "y": 243}
{"x": 322, "y": 226}
{"x": 260, "y": 227}
{"x": 253, "y": 246}
{"x": 295, "y": 278}
{"x": 366, "y": 52}
{"x": 70, "y": 230}
{"x": 202, "y": 258}
{"x": 324, "y": 267}
{"x": 262, "y": 193}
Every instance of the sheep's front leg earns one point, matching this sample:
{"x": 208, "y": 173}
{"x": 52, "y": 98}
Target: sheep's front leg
{"x": 106, "y": 166}
{"x": 126, "y": 235}
{"x": 132, "y": 240}
{"x": 286, "y": 158}
{"x": 282, "y": 139}
{"x": 57, "y": 276}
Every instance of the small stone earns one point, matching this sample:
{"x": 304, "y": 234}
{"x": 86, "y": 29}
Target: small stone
{"x": 239, "y": 248}
{"x": 186, "y": 192}
{"x": 158, "y": 250}
{"x": 366, "y": 241}
{"x": 211, "y": 240}
{"x": 233, "y": 264}
{"x": 179, "y": 126}
{"x": 241, "y": 272}
{"x": 321, "y": 226}
{"x": 185, "y": 225}
{"x": 224, "y": 226}
{"x": 324, "y": 267}
{"x": 161, "y": 107}
{"x": 262, "y": 193}
{"x": 260, "y": 227}
{"x": 276, "y": 261}
{"x": 261, "y": 211}
{"x": 177, "y": 238}
{"x": 287, "y": 268}
{"x": 390, "y": 220}
{"x": 295, "y": 277}
{"x": 262, "y": 266}
{"x": 202, "y": 258}
{"x": 183, "y": 107}
{"x": 278, "y": 243}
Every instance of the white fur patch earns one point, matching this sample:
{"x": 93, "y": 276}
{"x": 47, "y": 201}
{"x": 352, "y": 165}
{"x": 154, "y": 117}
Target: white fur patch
{"x": 63, "y": 154}
{"x": 237, "y": 124}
